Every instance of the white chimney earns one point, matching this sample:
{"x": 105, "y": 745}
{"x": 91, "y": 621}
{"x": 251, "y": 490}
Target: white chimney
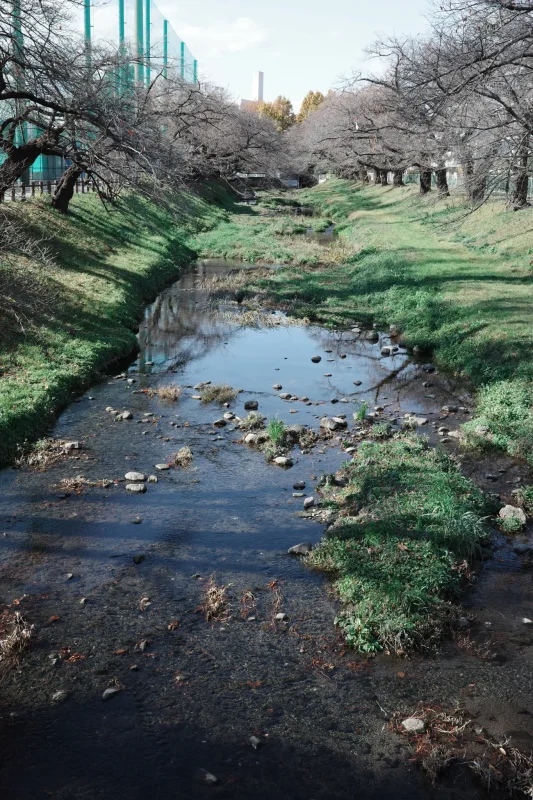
{"x": 258, "y": 86}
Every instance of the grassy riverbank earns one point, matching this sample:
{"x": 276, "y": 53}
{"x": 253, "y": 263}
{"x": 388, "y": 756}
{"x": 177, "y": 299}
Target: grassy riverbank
{"x": 67, "y": 316}
{"x": 409, "y": 524}
{"x": 455, "y": 283}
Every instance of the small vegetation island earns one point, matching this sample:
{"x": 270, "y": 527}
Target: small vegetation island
{"x": 266, "y": 410}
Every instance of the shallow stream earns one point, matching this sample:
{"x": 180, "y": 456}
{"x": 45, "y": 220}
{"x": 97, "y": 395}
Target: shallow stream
{"x": 101, "y": 571}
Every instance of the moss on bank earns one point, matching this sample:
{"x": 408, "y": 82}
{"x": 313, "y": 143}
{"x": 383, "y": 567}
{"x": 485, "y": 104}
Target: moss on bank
{"x": 78, "y": 313}
{"x": 410, "y": 525}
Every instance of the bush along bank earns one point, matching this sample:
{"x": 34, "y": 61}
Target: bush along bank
{"x": 70, "y": 307}
{"x": 409, "y": 527}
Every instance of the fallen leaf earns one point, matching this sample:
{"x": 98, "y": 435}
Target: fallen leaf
{"x": 54, "y": 618}
{"x": 121, "y": 652}
{"x": 75, "y": 657}
{"x": 401, "y": 674}
{"x": 173, "y": 624}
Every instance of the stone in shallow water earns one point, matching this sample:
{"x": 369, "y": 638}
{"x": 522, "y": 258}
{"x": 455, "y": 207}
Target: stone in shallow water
{"x": 136, "y": 488}
{"x": 508, "y": 512}
{"x": 300, "y": 549}
{"x": 135, "y": 477}
{"x": 204, "y": 776}
{"x": 111, "y": 692}
{"x": 162, "y": 467}
{"x": 316, "y": 359}
{"x": 309, "y": 502}
{"x": 283, "y": 461}
{"x": 299, "y": 485}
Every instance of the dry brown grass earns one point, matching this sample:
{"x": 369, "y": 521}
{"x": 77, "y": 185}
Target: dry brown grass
{"x": 15, "y": 637}
{"x": 218, "y": 393}
{"x": 183, "y": 458}
{"x": 169, "y": 393}
{"x": 47, "y": 452}
{"x": 79, "y": 483}
{"x": 215, "y": 604}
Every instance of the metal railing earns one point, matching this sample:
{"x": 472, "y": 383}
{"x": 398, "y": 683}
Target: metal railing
{"x": 22, "y": 191}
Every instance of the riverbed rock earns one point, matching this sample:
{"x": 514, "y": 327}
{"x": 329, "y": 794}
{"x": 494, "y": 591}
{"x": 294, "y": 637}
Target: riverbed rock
{"x": 357, "y": 383}
{"x": 204, "y": 776}
{"x": 152, "y": 479}
{"x": 521, "y": 548}
{"x": 220, "y": 423}
{"x": 509, "y": 512}
{"x": 316, "y": 359}
{"x": 60, "y": 696}
{"x": 387, "y": 350}
{"x": 255, "y": 742}
{"x": 285, "y": 396}
{"x": 372, "y": 336}
{"x": 135, "y": 477}
{"x": 309, "y": 503}
{"x": 283, "y": 461}
{"x": 68, "y": 446}
{"x": 428, "y": 367}
{"x": 414, "y": 725}
{"x": 250, "y": 439}
{"x": 251, "y": 405}
{"x": 125, "y": 415}
{"x": 333, "y": 423}
{"x": 299, "y": 485}
{"x": 300, "y": 549}
{"x": 229, "y": 415}
{"x": 111, "y": 692}
{"x": 277, "y": 387}
{"x": 136, "y": 488}
{"x": 282, "y": 617}
{"x": 450, "y": 409}
{"x": 162, "y": 467}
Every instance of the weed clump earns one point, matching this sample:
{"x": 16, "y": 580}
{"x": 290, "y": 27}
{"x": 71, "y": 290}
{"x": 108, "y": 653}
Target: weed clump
{"x": 253, "y": 422}
{"x": 218, "y": 393}
{"x": 215, "y": 601}
{"x": 15, "y": 637}
{"x": 400, "y": 555}
{"x": 184, "y": 457}
{"x": 169, "y": 393}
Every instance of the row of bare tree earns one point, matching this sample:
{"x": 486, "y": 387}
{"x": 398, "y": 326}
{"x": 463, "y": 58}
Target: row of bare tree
{"x": 460, "y": 96}
{"x": 59, "y": 97}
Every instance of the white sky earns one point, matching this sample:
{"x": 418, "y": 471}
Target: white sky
{"x": 298, "y": 44}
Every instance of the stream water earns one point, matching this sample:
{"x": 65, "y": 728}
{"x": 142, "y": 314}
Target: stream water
{"x": 113, "y": 582}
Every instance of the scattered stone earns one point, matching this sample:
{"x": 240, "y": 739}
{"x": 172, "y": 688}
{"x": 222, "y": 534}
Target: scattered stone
{"x": 131, "y": 380}
{"x": 282, "y": 617}
{"x": 125, "y": 415}
{"x": 300, "y": 549}
{"x": 450, "y": 409}
{"x": 357, "y": 383}
{"x": 328, "y": 374}
{"x": 316, "y": 359}
{"x": 414, "y": 725}
{"x": 490, "y": 477}
{"x": 255, "y": 742}
{"x": 203, "y": 776}
{"x": 443, "y": 430}
{"x": 138, "y": 559}
{"x": 83, "y": 600}
{"x": 277, "y": 387}
{"x": 283, "y": 461}
{"x": 285, "y": 396}
{"x": 299, "y": 485}
{"x": 342, "y": 355}
{"x": 356, "y": 330}
{"x": 298, "y": 494}
{"x": 372, "y": 336}
{"x": 68, "y": 446}
{"x": 508, "y": 512}
{"x": 152, "y": 479}
{"x": 220, "y": 423}
{"x": 427, "y": 384}
{"x": 251, "y": 405}
{"x": 162, "y": 467}
{"x": 387, "y": 350}
{"x": 229, "y": 415}
{"x": 309, "y": 502}
{"x": 136, "y": 488}
{"x": 527, "y": 621}
{"x": 463, "y": 622}
{"x": 250, "y": 438}
{"x": 135, "y": 477}
{"x": 428, "y": 367}
{"x": 70, "y": 575}
{"x": 196, "y": 396}
{"x": 111, "y": 692}
{"x": 60, "y": 696}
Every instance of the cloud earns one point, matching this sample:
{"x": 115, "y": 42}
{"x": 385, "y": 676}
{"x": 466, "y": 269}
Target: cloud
{"x": 224, "y": 37}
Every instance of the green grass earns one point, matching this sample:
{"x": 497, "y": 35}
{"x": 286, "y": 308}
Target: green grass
{"x": 276, "y": 431}
{"x": 106, "y": 264}
{"x": 457, "y": 284}
{"x": 411, "y": 523}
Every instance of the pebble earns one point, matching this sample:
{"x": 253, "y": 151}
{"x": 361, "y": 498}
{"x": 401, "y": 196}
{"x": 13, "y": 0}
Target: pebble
{"x": 277, "y": 387}
{"x": 414, "y": 725}
{"x": 300, "y": 549}
{"x": 299, "y": 485}
{"x": 136, "y": 521}
{"x": 298, "y": 494}
{"x": 285, "y": 396}
{"x": 138, "y": 559}
{"x": 450, "y": 409}
{"x": 527, "y": 621}
{"x": 204, "y": 776}
{"x": 162, "y": 467}
{"x": 251, "y": 405}
{"x": 328, "y": 374}
{"x": 152, "y": 479}
{"x": 229, "y": 415}
{"x": 135, "y": 477}
{"x": 428, "y": 368}
{"x": 255, "y": 742}
{"x": 60, "y": 696}
{"x": 70, "y": 575}
{"x": 357, "y": 383}
{"x": 316, "y": 359}
{"x": 221, "y": 423}
{"x": 282, "y": 617}
{"x": 283, "y": 461}
{"x": 309, "y": 502}
{"x": 111, "y": 692}
{"x": 136, "y": 488}
{"x": 126, "y": 415}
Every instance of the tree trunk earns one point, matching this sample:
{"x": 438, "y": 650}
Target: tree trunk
{"x": 425, "y": 181}
{"x": 20, "y": 159}
{"x": 397, "y": 177}
{"x": 519, "y": 198}
{"x": 476, "y": 184}
{"x": 65, "y": 188}
{"x": 362, "y": 175}
{"x": 442, "y": 182}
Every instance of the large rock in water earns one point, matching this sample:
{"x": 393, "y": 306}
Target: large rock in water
{"x": 316, "y": 359}
{"x": 136, "y": 488}
{"x": 509, "y": 512}
{"x": 251, "y": 405}
{"x": 333, "y": 423}
{"x": 135, "y": 477}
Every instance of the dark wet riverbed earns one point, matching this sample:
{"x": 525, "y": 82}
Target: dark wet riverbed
{"x": 198, "y": 692}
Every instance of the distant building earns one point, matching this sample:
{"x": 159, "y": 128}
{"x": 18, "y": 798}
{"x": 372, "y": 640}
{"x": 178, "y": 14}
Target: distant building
{"x": 258, "y": 85}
